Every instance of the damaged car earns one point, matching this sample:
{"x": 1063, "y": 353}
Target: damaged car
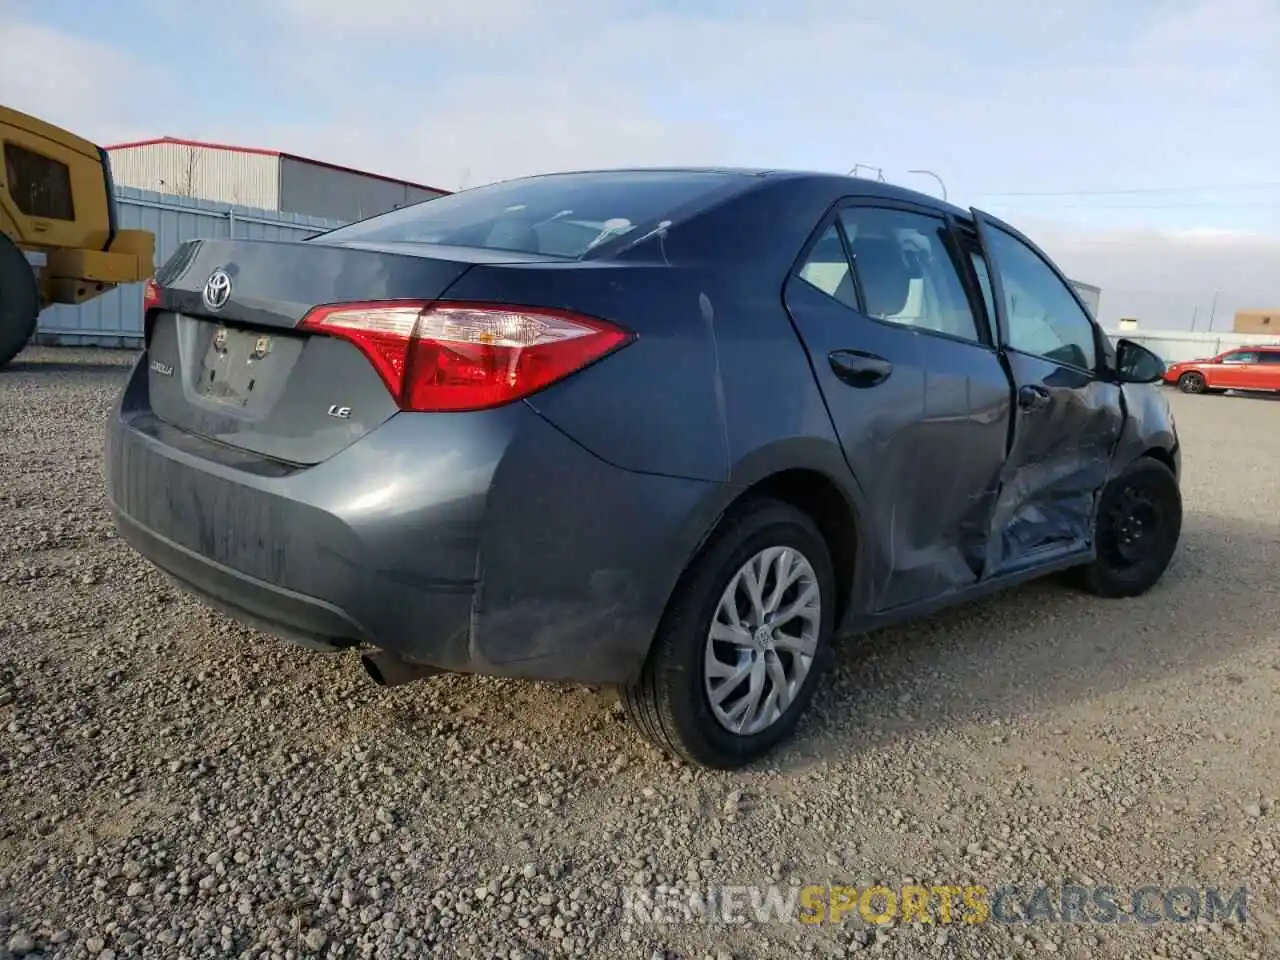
{"x": 674, "y": 431}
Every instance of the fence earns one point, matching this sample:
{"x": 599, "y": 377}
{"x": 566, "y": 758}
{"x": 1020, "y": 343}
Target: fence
{"x": 1175, "y": 345}
{"x": 115, "y": 319}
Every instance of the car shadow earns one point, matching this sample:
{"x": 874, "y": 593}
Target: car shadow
{"x": 61, "y": 367}
{"x": 1255, "y": 394}
{"x": 1042, "y": 647}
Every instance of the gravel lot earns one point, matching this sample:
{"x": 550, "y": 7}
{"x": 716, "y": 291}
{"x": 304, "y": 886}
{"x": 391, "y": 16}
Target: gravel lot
{"x": 173, "y": 785}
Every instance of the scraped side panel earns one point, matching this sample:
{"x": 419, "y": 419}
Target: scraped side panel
{"x": 1058, "y": 464}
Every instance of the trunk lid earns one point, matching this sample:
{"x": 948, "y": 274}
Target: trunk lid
{"x": 227, "y": 362}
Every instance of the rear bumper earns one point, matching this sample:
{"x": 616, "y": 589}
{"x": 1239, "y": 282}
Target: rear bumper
{"x": 304, "y": 620}
{"x": 480, "y": 543}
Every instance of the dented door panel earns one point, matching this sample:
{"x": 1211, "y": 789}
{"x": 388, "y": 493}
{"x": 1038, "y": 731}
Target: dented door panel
{"x": 1066, "y": 425}
{"x": 1058, "y": 463}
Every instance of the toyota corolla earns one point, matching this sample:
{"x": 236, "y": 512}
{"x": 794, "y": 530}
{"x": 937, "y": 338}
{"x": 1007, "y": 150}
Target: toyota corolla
{"x": 669, "y": 430}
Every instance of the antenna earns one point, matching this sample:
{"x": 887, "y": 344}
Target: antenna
{"x": 867, "y": 166}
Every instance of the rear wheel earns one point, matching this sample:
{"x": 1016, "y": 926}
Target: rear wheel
{"x": 735, "y": 661}
{"x": 1191, "y": 382}
{"x": 19, "y": 301}
{"x": 1138, "y": 526}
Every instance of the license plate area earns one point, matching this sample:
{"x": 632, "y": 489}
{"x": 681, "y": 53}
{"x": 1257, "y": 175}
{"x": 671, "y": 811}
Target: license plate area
{"x": 242, "y": 367}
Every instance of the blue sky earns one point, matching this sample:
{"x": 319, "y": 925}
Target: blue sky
{"x": 1140, "y": 141}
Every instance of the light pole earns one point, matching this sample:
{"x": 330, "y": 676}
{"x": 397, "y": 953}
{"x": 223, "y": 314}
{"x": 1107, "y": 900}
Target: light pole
{"x": 1213, "y": 308}
{"x": 930, "y": 173}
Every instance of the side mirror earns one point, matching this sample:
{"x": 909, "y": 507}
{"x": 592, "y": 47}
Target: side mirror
{"x": 1136, "y": 364}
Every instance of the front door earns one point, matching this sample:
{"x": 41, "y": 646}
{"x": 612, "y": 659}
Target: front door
{"x": 1067, "y": 416}
{"x": 914, "y": 388}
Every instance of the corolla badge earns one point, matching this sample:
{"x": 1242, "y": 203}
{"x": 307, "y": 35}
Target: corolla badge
{"x": 162, "y": 368}
{"x": 217, "y": 290}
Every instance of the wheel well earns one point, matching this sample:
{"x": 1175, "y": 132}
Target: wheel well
{"x": 818, "y": 496}
{"x": 1159, "y": 453}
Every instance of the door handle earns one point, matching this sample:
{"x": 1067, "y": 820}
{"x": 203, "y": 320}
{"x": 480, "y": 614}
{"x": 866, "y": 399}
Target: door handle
{"x": 1033, "y": 397}
{"x": 859, "y": 369}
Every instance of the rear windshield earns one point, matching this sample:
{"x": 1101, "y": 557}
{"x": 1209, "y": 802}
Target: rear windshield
{"x": 561, "y": 215}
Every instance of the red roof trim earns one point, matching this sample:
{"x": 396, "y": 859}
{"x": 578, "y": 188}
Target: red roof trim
{"x": 178, "y": 141}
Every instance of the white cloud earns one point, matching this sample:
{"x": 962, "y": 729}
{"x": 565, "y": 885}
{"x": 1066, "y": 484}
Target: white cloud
{"x": 1169, "y": 280}
{"x": 70, "y": 81}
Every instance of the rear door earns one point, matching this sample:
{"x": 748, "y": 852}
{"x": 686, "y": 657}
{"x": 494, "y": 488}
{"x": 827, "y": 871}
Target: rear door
{"x": 1237, "y": 370}
{"x": 1269, "y": 369}
{"x": 914, "y": 388}
{"x": 1067, "y": 413}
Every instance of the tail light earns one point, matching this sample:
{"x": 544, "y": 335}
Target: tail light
{"x": 150, "y": 301}
{"x": 150, "y": 294}
{"x": 437, "y": 357}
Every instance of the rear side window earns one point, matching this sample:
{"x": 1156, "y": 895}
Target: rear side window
{"x": 560, "y": 215}
{"x": 40, "y": 186}
{"x": 827, "y": 268}
{"x": 901, "y": 265}
{"x": 1270, "y": 356}
{"x": 905, "y": 271}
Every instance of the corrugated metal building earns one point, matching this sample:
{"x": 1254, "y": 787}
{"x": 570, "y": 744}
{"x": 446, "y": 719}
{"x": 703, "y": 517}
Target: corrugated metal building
{"x": 264, "y": 179}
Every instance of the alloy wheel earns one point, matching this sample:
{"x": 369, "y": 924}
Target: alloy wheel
{"x": 1191, "y": 383}
{"x": 762, "y": 640}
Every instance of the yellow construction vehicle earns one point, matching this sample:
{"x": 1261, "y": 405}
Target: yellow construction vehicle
{"x": 59, "y": 239}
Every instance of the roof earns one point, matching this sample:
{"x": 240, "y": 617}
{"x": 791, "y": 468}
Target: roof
{"x": 866, "y": 187}
{"x": 42, "y": 128}
{"x": 178, "y": 141}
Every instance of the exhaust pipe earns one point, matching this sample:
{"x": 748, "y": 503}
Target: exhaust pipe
{"x": 388, "y": 670}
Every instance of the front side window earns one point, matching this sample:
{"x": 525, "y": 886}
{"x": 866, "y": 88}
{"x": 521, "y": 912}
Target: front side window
{"x": 1241, "y": 356}
{"x": 1044, "y": 318}
{"x": 984, "y": 284}
{"x": 40, "y": 186}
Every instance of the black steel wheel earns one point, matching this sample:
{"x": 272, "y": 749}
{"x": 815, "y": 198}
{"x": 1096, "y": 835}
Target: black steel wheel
{"x": 1139, "y": 524}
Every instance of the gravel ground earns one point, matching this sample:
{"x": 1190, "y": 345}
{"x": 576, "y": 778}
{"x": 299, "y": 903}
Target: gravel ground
{"x": 173, "y": 785}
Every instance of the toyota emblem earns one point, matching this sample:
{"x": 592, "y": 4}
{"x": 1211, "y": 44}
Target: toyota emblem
{"x": 217, "y": 290}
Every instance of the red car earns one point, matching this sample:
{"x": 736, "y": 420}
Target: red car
{"x": 1241, "y": 368}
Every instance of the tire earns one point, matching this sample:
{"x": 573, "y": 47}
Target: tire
{"x": 1192, "y": 382}
{"x": 1147, "y": 492}
{"x": 671, "y": 702}
{"x": 19, "y": 301}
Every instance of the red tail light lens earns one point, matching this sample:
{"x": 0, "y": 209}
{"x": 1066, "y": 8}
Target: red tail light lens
{"x": 437, "y": 357}
{"x": 150, "y": 301}
{"x": 150, "y": 294}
